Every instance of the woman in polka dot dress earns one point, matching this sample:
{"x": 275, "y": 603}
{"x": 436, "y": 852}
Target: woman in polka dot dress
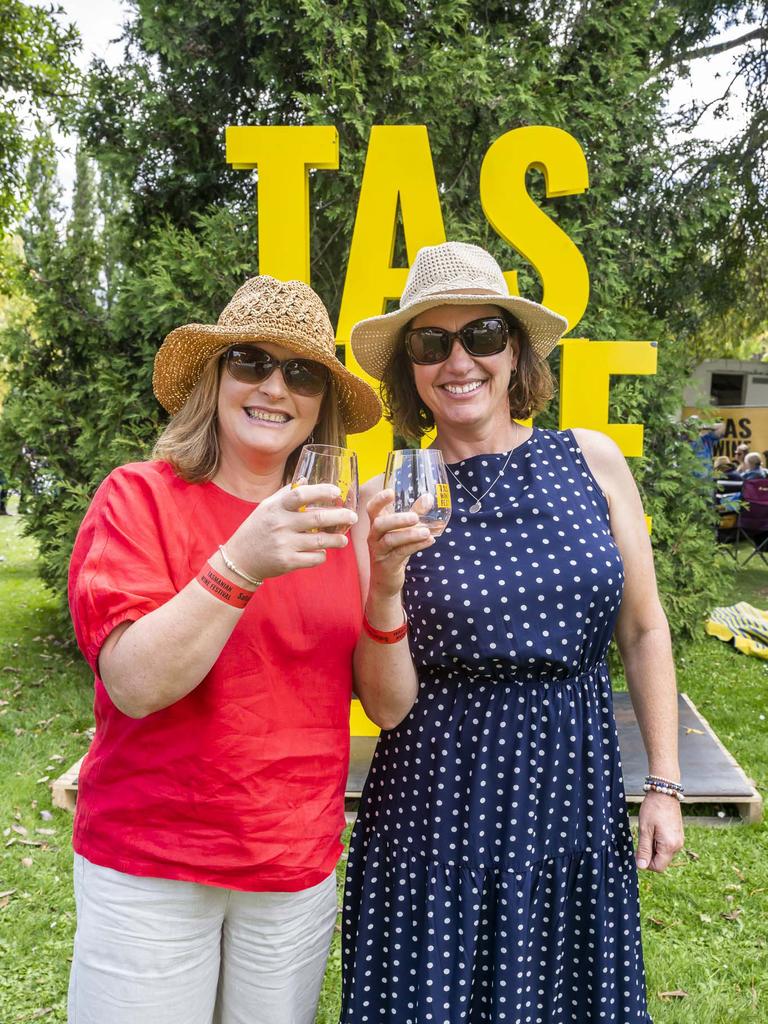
{"x": 491, "y": 875}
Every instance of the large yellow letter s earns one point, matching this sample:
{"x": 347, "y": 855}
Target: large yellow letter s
{"x": 518, "y": 220}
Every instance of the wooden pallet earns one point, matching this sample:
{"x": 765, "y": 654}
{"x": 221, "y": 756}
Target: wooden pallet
{"x": 712, "y": 775}
{"x": 64, "y": 789}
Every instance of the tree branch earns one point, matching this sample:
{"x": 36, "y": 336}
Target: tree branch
{"x": 710, "y": 51}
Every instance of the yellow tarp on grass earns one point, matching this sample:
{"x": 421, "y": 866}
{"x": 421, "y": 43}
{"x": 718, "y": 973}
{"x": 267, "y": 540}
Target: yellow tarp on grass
{"x": 743, "y": 626}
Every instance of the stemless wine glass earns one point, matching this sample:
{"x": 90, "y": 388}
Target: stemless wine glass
{"x": 420, "y": 482}
{"x": 327, "y": 464}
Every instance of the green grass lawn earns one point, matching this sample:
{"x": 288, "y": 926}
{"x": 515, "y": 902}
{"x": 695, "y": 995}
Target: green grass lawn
{"x": 705, "y": 921}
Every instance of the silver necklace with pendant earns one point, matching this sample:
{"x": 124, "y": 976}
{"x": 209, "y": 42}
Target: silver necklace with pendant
{"x": 478, "y": 501}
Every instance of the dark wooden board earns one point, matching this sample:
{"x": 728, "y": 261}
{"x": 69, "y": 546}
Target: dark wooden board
{"x": 707, "y": 768}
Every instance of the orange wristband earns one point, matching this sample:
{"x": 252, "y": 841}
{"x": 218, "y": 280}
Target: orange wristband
{"x": 227, "y": 591}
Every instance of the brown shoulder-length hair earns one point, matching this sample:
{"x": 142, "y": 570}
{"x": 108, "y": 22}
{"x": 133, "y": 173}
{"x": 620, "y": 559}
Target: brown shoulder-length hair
{"x": 190, "y": 441}
{"x": 530, "y": 388}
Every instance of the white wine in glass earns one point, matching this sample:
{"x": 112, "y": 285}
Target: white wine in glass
{"x": 420, "y": 482}
{"x": 327, "y": 464}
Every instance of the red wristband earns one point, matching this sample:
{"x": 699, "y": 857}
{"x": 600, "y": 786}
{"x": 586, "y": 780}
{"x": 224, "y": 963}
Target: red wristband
{"x": 385, "y": 636}
{"x": 227, "y": 591}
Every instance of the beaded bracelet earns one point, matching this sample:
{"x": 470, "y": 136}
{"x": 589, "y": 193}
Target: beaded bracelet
{"x": 657, "y": 784}
{"x": 225, "y": 590}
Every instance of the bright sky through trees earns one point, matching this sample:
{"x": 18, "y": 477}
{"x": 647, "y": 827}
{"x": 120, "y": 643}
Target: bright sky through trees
{"x": 100, "y": 24}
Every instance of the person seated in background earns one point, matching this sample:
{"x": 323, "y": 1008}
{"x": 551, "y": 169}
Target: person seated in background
{"x": 753, "y": 467}
{"x": 724, "y": 468}
{"x": 742, "y": 450}
{"x": 727, "y": 494}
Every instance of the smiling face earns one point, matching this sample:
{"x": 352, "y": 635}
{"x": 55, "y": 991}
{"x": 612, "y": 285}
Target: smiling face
{"x": 465, "y": 391}
{"x": 264, "y": 421}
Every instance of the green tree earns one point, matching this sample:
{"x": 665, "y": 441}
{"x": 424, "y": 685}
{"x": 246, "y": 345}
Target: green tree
{"x": 38, "y": 80}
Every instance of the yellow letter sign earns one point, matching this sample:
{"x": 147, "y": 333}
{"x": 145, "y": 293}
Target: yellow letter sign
{"x": 398, "y": 173}
{"x": 518, "y": 220}
{"x": 283, "y": 156}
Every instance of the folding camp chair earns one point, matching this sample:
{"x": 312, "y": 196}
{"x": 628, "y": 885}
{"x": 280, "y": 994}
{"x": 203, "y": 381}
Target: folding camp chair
{"x": 752, "y": 520}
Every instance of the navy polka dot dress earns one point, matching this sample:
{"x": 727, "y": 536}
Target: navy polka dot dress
{"x": 491, "y": 875}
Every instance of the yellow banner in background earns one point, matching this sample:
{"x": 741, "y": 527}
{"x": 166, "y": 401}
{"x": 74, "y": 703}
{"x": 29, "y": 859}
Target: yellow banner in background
{"x": 744, "y": 424}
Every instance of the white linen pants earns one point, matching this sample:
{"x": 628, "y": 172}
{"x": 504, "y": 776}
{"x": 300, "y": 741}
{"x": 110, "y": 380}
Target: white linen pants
{"x": 157, "y": 951}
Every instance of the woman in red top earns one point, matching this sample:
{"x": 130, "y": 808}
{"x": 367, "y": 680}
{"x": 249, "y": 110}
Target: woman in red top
{"x": 210, "y": 804}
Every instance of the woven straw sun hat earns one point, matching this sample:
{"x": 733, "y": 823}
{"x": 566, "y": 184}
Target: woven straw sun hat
{"x": 452, "y": 274}
{"x": 288, "y": 313}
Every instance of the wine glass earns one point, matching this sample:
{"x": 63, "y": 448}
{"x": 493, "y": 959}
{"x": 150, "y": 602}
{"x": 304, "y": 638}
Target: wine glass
{"x": 420, "y": 482}
{"x": 328, "y": 464}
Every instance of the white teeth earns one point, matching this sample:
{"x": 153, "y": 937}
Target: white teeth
{"x": 270, "y": 417}
{"x": 463, "y": 389}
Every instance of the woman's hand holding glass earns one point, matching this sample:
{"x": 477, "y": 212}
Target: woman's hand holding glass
{"x": 291, "y": 529}
{"x": 406, "y": 516}
{"x": 392, "y": 539}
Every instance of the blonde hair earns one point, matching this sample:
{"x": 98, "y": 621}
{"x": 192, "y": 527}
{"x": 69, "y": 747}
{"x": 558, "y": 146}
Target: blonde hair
{"x": 190, "y": 441}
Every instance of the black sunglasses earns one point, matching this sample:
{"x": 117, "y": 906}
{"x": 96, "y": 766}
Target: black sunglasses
{"x": 251, "y": 365}
{"x": 484, "y": 337}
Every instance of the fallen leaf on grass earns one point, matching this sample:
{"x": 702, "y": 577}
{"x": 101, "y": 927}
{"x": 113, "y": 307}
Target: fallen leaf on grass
{"x": 45, "y": 831}
{"x": 657, "y": 921}
{"x": 732, "y": 915}
{"x": 690, "y": 729}
{"x": 8, "y": 892}
{"x": 35, "y": 1015}
{"x": 677, "y": 993}
{"x": 739, "y": 872}
{"x": 4, "y": 703}
{"x": 11, "y": 668}
{"x": 691, "y": 855}
{"x": 44, "y": 778}
{"x": 19, "y": 830}
{"x": 56, "y": 757}
{"x": 705, "y": 918}
{"x": 27, "y": 862}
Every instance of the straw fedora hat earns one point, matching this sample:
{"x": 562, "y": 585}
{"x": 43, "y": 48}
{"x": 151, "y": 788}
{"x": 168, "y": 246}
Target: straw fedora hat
{"x": 452, "y": 274}
{"x": 288, "y": 313}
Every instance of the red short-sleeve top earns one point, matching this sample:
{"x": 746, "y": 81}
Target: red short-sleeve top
{"x": 240, "y": 783}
